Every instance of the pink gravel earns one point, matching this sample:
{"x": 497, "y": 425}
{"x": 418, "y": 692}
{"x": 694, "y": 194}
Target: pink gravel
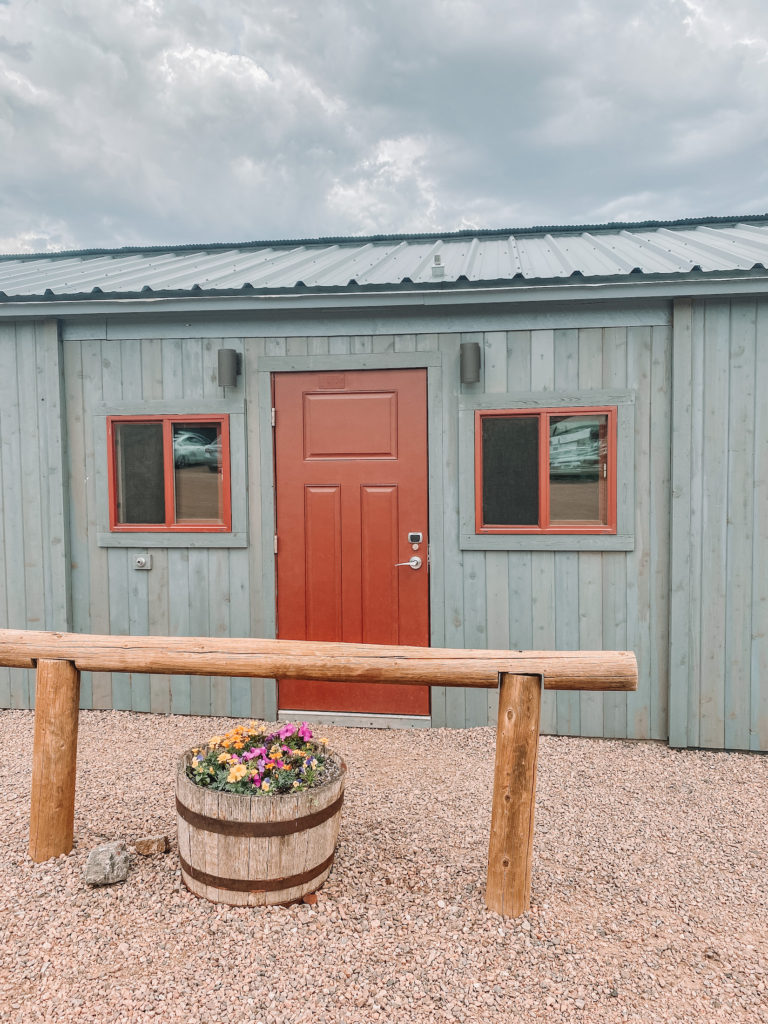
{"x": 650, "y": 891}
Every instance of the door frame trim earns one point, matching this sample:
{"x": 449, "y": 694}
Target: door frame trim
{"x": 264, "y": 526}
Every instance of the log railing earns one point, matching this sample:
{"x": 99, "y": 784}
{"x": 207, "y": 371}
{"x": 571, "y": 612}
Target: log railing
{"x": 520, "y": 675}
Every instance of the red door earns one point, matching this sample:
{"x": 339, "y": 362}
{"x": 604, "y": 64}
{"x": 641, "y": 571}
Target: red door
{"x": 351, "y": 485}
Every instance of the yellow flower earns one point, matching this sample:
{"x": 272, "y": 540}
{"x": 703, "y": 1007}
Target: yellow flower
{"x": 296, "y": 784}
{"x": 323, "y": 739}
{"x": 224, "y": 757}
{"x": 265, "y": 786}
{"x": 236, "y": 772}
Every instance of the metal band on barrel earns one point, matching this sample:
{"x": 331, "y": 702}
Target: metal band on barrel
{"x": 258, "y": 829}
{"x": 255, "y": 884}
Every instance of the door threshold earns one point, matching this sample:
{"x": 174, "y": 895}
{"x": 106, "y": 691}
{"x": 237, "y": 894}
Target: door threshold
{"x": 358, "y": 720}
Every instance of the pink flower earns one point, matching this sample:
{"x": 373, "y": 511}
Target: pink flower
{"x": 286, "y": 731}
{"x": 305, "y": 732}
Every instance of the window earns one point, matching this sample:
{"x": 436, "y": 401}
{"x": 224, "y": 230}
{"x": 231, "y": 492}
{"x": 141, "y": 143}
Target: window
{"x": 545, "y": 471}
{"x": 169, "y": 473}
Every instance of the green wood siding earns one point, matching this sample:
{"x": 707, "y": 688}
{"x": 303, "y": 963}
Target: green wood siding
{"x": 719, "y": 554}
{"x": 34, "y": 511}
{"x": 688, "y": 593}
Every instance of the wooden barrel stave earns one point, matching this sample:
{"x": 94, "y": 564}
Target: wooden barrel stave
{"x": 243, "y": 859}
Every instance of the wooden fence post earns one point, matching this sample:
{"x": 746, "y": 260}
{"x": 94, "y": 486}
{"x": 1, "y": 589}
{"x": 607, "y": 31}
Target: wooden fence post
{"x": 54, "y": 759}
{"x": 508, "y": 888}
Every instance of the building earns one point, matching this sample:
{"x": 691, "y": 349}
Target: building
{"x": 566, "y": 430}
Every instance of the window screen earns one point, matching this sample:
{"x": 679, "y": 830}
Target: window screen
{"x": 510, "y": 454}
{"x": 140, "y": 475}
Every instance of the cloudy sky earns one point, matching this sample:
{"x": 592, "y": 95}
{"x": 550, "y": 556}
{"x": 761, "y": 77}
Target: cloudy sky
{"x": 129, "y": 122}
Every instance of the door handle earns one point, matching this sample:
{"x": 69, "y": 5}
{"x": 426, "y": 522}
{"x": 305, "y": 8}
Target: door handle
{"x": 414, "y": 562}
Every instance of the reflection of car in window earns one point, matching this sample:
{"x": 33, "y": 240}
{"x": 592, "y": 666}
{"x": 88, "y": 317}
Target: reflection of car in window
{"x": 188, "y": 449}
{"x": 212, "y": 455}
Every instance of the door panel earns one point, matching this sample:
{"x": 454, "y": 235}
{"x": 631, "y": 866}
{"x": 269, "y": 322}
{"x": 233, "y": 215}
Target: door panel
{"x": 379, "y": 597}
{"x": 351, "y": 483}
{"x": 322, "y": 526}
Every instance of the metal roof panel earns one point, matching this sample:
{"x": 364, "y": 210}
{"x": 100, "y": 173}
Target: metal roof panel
{"x": 597, "y": 251}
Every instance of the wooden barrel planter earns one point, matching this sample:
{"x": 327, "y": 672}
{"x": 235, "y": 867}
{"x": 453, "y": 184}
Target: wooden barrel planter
{"x": 256, "y": 850}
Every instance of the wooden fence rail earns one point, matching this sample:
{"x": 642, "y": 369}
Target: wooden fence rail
{"x": 520, "y": 675}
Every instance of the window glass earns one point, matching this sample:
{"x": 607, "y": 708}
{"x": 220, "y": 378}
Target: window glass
{"x": 578, "y": 460}
{"x": 510, "y": 446}
{"x": 169, "y": 473}
{"x": 139, "y": 469}
{"x": 545, "y": 470}
{"x": 198, "y": 479}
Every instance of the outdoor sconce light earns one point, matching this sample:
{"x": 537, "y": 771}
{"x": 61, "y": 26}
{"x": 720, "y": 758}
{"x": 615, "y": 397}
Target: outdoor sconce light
{"x": 469, "y": 362}
{"x": 230, "y": 367}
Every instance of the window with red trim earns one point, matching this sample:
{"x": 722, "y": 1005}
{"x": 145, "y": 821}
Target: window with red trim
{"x": 545, "y": 471}
{"x": 169, "y": 473}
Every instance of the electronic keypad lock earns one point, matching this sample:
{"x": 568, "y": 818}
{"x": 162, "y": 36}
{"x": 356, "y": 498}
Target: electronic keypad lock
{"x": 415, "y": 538}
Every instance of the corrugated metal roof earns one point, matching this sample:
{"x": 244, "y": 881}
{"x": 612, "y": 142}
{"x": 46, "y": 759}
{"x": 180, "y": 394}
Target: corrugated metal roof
{"x": 533, "y": 254}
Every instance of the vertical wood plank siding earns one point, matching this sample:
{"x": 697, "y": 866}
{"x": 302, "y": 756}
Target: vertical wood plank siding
{"x": 718, "y": 638}
{"x": 691, "y": 598}
{"x": 34, "y": 510}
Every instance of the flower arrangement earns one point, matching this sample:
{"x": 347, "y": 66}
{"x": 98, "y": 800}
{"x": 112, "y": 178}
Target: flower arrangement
{"x": 249, "y": 759}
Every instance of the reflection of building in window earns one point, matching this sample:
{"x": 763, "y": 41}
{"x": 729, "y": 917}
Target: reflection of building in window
{"x": 545, "y": 471}
{"x": 169, "y": 473}
{"x": 578, "y": 468}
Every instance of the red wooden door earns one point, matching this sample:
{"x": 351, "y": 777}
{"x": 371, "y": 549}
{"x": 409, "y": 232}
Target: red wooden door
{"x": 351, "y": 484}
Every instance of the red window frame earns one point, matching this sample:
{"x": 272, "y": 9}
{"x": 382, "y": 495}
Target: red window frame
{"x": 170, "y": 525}
{"x": 544, "y": 525}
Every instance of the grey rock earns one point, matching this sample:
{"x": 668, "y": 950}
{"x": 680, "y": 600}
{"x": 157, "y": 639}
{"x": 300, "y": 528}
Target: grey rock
{"x": 107, "y": 864}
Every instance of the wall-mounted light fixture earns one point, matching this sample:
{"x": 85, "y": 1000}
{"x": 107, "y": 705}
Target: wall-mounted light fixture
{"x": 469, "y": 362}
{"x": 230, "y": 367}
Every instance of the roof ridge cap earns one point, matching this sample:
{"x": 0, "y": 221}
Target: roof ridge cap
{"x": 479, "y": 233}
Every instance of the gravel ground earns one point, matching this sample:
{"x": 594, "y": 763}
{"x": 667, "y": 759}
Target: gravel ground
{"x": 650, "y": 891}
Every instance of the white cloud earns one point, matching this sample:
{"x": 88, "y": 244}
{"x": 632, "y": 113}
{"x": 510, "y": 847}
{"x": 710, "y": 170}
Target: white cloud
{"x": 151, "y": 121}
{"x": 395, "y": 174}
